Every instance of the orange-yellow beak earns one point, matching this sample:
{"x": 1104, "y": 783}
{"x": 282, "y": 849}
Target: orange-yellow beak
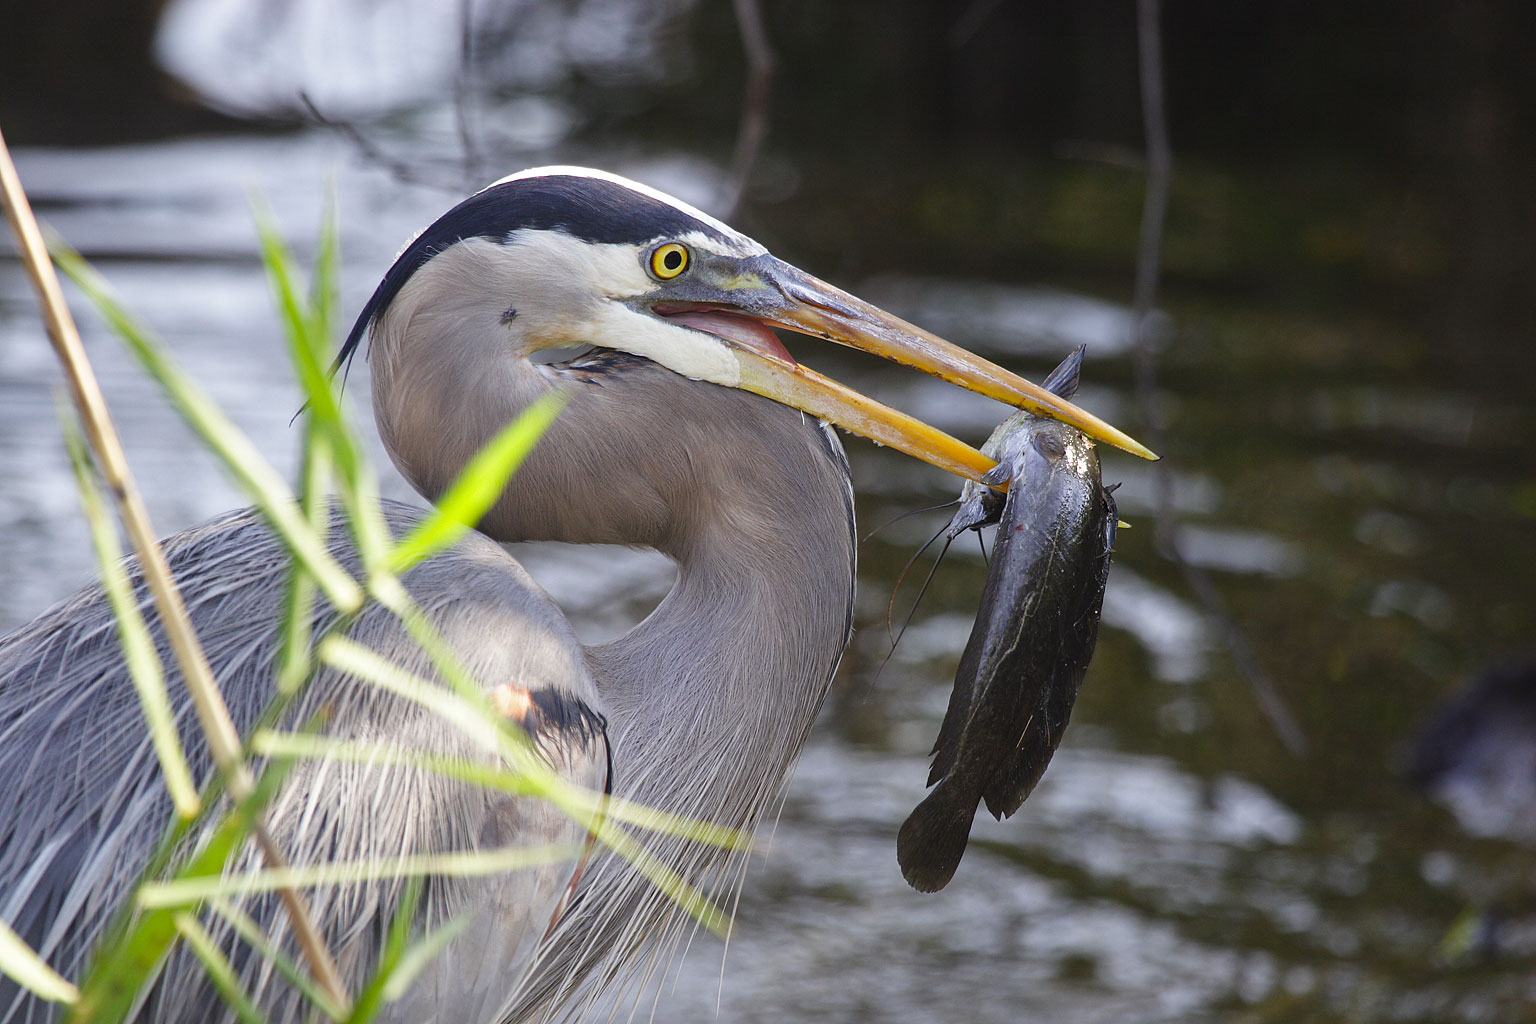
{"x": 771, "y": 292}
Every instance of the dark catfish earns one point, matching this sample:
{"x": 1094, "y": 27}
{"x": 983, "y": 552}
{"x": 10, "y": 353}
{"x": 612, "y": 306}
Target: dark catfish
{"x": 1034, "y": 632}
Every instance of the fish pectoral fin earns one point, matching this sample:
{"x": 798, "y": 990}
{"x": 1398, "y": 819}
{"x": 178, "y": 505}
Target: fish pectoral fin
{"x": 999, "y": 474}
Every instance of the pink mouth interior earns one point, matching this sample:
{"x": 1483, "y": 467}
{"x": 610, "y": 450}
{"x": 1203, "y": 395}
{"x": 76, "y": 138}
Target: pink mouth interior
{"x": 745, "y": 331}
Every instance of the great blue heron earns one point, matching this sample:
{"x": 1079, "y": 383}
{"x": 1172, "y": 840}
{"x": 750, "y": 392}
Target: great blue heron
{"x": 689, "y": 429}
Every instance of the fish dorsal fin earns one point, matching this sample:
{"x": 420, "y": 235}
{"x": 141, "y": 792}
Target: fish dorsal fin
{"x": 1063, "y": 380}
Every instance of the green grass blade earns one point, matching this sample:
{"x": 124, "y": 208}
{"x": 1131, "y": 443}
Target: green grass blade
{"x": 387, "y": 589}
{"x": 307, "y": 330}
{"x": 255, "y": 475}
{"x": 307, "y": 327}
{"x": 689, "y": 897}
{"x": 301, "y": 746}
{"x": 324, "y": 292}
{"x": 219, "y": 971}
{"x": 295, "y": 658}
{"x": 297, "y": 976}
{"x": 349, "y": 656}
{"x": 139, "y": 653}
{"x": 120, "y": 966}
{"x": 490, "y": 776}
{"x": 22, "y": 965}
{"x": 478, "y": 486}
{"x": 396, "y": 939}
{"x": 186, "y": 891}
{"x": 420, "y": 953}
{"x": 463, "y": 706}
{"x": 479, "y": 723}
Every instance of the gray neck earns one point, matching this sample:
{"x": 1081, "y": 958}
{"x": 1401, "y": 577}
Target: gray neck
{"x": 712, "y": 696}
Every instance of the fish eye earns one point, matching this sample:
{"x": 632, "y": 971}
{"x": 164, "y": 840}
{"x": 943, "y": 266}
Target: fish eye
{"x": 669, "y": 260}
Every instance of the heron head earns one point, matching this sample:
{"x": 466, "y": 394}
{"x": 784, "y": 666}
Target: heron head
{"x": 557, "y": 257}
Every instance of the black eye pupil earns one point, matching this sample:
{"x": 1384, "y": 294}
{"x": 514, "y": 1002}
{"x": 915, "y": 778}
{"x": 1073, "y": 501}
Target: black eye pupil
{"x": 672, "y": 260}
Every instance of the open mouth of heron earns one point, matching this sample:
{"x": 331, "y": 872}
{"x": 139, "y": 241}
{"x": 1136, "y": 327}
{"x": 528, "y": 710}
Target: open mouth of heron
{"x": 738, "y": 328}
{"x": 804, "y": 305}
{"x": 767, "y": 368}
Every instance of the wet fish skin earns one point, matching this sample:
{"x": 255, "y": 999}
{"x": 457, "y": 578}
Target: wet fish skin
{"x": 1029, "y": 649}
{"x": 980, "y": 503}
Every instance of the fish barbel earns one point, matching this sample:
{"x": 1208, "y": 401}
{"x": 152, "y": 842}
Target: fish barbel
{"x": 1034, "y": 633}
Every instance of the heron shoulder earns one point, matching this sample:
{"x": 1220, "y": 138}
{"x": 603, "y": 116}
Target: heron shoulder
{"x": 73, "y": 838}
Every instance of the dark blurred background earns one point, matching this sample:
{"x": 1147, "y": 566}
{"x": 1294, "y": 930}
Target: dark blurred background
{"x": 1433, "y": 100}
{"x": 1346, "y": 368}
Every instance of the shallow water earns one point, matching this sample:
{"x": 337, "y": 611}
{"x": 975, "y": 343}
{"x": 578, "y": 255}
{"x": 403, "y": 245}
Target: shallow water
{"x": 1356, "y": 499}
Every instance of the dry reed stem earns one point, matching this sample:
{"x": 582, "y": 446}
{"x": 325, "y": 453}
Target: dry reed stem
{"x": 752, "y": 129}
{"x": 213, "y": 714}
{"x": 1159, "y": 160}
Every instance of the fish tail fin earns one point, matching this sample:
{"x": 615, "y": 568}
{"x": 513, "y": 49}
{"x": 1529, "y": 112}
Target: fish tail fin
{"x": 932, "y": 839}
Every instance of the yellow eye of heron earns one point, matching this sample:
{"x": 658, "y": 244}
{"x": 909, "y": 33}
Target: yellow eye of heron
{"x": 669, "y": 260}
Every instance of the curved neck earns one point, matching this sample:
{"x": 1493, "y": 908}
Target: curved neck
{"x": 712, "y": 696}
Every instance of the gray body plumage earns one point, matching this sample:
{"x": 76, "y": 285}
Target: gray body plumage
{"x": 86, "y": 804}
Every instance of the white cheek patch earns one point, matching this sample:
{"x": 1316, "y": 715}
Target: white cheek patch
{"x": 613, "y": 270}
{"x": 691, "y": 353}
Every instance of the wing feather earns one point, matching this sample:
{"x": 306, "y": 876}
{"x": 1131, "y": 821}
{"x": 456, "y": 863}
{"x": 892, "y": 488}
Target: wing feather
{"x": 82, "y": 805}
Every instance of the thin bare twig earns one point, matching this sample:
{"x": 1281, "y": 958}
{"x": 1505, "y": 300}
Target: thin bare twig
{"x": 463, "y": 95}
{"x": 402, "y": 170}
{"x": 1148, "y": 253}
{"x": 223, "y": 739}
{"x": 753, "y": 127}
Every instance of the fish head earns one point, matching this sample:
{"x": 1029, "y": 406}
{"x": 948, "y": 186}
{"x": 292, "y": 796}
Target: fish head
{"x": 981, "y": 504}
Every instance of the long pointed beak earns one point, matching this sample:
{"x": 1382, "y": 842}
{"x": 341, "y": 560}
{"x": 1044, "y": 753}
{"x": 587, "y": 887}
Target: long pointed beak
{"x": 803, "y": 388}
{"x": 812, "y": 306}
{"x": 770, "y": 293}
